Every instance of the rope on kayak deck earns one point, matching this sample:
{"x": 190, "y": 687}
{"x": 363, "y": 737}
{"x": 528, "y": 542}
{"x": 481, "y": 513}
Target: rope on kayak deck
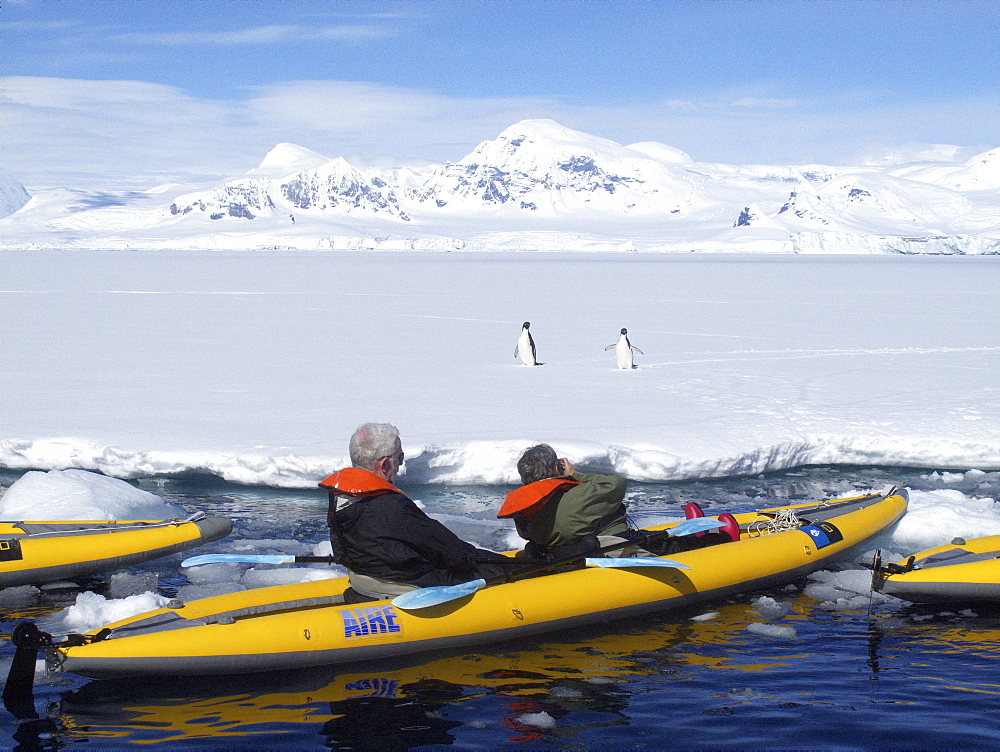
{"x": 785, "y": 519}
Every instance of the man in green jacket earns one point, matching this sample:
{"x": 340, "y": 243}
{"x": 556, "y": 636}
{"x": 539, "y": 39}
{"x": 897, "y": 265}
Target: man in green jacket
{"x": 561, "y": 512}
{"x": 590, "y": 507}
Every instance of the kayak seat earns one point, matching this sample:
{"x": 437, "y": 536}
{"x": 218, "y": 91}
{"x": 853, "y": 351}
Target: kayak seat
{"x": 375, "y": 589}
{"x": 730, "y": 526}
{"x": 627, "y": 550}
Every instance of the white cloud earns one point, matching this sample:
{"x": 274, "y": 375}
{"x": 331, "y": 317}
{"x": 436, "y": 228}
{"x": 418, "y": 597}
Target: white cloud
{"x": 109, "y": 134}
{"x": 130, "y": 134}
{"x": 771, "y": 103}
{"x": 275, "y": 34}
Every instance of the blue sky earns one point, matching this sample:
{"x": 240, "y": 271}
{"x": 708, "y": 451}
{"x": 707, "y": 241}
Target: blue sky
{"x": 131, "y": 92}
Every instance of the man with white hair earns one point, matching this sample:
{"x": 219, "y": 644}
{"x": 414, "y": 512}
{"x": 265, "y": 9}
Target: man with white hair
{"x": 387, "y": 542}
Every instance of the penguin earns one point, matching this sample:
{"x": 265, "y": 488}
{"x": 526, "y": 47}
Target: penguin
{"x": 525, "y": 346}
{"x": 623, "y": 350}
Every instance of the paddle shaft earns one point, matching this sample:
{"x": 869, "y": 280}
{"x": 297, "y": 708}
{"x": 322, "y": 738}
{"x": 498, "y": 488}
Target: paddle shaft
{"x": 534, "y": 566}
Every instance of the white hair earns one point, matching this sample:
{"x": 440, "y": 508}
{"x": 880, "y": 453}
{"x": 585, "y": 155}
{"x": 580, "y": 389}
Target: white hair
{"x": 371, "y": 442}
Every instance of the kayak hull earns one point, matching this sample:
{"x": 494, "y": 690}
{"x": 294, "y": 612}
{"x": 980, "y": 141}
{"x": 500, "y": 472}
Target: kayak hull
{"x": 33, "y": 553}
{"x": 963, "y": 571}
{"x": 307, "y": 624}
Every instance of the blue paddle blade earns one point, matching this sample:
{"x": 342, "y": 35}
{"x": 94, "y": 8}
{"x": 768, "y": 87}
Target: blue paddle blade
{"x": 695, "y": 525}
{"x": 635, "y": 561}
{"x": 432, "y": 596}
{"x": 195, "y": 561}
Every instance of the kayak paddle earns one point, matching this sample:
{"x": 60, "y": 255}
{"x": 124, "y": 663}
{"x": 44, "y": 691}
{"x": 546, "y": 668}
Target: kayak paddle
{"x": 195, "y": 561}
{"x": 687, "y": 527}
{"x": 634, "y": 561}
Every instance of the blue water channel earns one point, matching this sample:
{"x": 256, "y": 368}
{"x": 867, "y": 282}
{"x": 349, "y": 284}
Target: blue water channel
{"x": 900, "y": 677}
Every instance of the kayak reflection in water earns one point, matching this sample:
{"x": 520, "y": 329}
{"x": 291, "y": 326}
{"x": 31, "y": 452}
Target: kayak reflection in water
{"x": 387, "y": 543}
{"x": 561, "y": 512}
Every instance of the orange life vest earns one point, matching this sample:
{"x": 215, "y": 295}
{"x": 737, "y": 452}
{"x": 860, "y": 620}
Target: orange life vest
{"x": 353, "y": 481}
{"x": 528, "y": 499}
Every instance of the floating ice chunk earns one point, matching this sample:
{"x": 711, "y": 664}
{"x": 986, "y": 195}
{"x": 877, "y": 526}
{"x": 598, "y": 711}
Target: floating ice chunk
{"x": 857, "y": 603}
{"x": 823, "y": 592}
{"x": 49, "y": 587}
{"x": 93, "y": 610}
{"x": 190, "y": 593}
{"x": 124, "y": 584}
{"x": 770, "y": 609}
{"x": 318, "y": 573}
{"x": 539, "y": 720}
{"x": 19, "y": 596}
{"x": 81, "y": 495}
{"x": 323, "y": 548}
{"x": 853, "y": 581}
{"x": 209, "y": 574}
{"x": 255, "y": 578}
{"x": 706, "y": 616}
{"x": 772, "y": 630}
{"x": 848, "y": 590}
{"x": 267, "y": 546}
{"x": 888, "y": 555}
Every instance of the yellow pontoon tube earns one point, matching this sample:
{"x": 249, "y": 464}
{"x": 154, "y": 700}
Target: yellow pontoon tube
{"x": 963, "y": 571}
{"x": 33, "y": 553}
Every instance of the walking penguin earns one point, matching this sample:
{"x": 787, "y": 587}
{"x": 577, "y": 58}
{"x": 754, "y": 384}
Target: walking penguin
{"x": 623, "y": 350}
{"x": 525, "y": 346}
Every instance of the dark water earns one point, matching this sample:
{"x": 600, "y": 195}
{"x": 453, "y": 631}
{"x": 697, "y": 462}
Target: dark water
{"x": 907, "y": 677}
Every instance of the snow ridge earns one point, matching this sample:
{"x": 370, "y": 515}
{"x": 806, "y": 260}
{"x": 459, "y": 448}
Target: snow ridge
{"x": 494, "y": 462}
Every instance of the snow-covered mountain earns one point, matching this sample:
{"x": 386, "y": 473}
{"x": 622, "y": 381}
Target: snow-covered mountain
{"x": 540, "y": 167}
{"x": 541, "y": 186}
{"x": 12, "y": 194}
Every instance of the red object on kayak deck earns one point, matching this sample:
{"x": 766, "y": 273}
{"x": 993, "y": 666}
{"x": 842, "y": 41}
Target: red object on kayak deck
{"x": 692, "y": 510}
{"x": 730, "y": 526}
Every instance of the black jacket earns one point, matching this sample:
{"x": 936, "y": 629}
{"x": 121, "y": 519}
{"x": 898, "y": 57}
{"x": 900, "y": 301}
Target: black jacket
{"x": 391, "y": 538}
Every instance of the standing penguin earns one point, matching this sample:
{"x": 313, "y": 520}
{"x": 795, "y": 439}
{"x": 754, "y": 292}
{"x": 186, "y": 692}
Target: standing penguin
{"x": 623, "y": 350}
{"x": 525, "y": 346}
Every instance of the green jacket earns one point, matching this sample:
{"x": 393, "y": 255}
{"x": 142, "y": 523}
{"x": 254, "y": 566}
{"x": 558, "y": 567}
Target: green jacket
{"x": 595, "y": 507}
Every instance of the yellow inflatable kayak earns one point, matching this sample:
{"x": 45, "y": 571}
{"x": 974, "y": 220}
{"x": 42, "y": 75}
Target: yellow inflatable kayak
{"x": 966, "y": 571}
{"x": 308, "y": 624}
{"x": 33, "y": 553}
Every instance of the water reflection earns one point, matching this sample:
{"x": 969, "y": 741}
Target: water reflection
{"x": 570, "y": 688}
{"x": 391, "y": 705}
{"x": 525, "y": 691}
